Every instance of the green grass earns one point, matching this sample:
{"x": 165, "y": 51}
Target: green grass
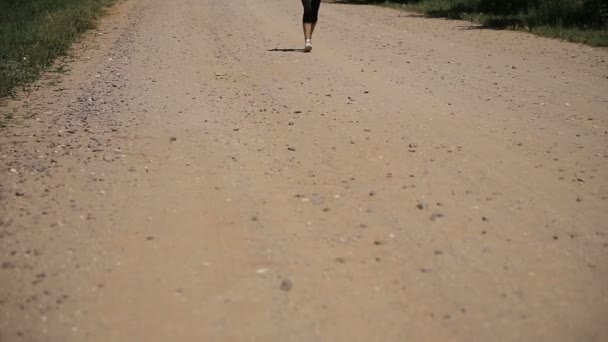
{"x": 589, "y": 37}
{"x": 583, "y": 21}
{"x": 33, "y": 33}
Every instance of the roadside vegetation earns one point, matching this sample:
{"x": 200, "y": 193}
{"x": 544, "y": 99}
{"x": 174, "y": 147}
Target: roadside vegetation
{"x": 583, "y": 21}
{"x": 33, "y": 33}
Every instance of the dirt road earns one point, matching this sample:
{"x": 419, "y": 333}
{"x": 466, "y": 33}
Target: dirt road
{"x": 191, "y": 178}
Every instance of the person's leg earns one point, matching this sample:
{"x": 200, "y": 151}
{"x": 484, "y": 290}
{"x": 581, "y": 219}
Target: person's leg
{"x": 307, "y": 37}
{"x": 315, "y": 4}
{"x": 307, "y": 18}
{"x": 308, "y": 28}
{"x": 311, "y": 9}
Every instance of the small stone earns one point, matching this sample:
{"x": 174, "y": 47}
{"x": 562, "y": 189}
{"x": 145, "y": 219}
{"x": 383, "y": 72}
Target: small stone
{"x": 150, "y": 238}
{"x": 19, "y": 194}
{"x": 436, "y": 216}
{"x": 286, "y": 285}
{"x": 172, "y": 139}
{"x": 7, "y": 265}
{"x": 291, "y": 149}
{"x": 262, "y": 271}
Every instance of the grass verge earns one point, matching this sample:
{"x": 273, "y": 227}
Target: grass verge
{"x": 33, "y": 33}
{"x": 582, "y": 21}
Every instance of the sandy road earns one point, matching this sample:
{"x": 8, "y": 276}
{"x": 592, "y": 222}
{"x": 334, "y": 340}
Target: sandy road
{"x": 192, "y": 179}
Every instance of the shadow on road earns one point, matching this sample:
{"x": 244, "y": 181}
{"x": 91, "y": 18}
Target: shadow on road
{"x": 287, "y": 50}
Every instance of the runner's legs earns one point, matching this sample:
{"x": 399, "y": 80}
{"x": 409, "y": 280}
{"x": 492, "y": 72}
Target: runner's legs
{"x": 310, "y": 17}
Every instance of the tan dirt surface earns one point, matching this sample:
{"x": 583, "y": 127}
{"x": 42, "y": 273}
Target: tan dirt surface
{"x": 194, "y": 177}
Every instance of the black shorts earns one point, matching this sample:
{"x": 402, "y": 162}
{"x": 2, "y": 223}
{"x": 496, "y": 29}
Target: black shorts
{"x": 311, "y": 11}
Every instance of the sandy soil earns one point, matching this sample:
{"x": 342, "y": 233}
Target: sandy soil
{"x": 194, "y": 177}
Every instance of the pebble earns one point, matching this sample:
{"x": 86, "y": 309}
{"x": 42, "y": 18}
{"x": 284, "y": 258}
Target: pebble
{"x": 422, "y": 205}
{"x": 7, "y": 265}
{"x": 262, "y": 271}
{"x": 436, "y": 216}
{"x": 286, "y": 285}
